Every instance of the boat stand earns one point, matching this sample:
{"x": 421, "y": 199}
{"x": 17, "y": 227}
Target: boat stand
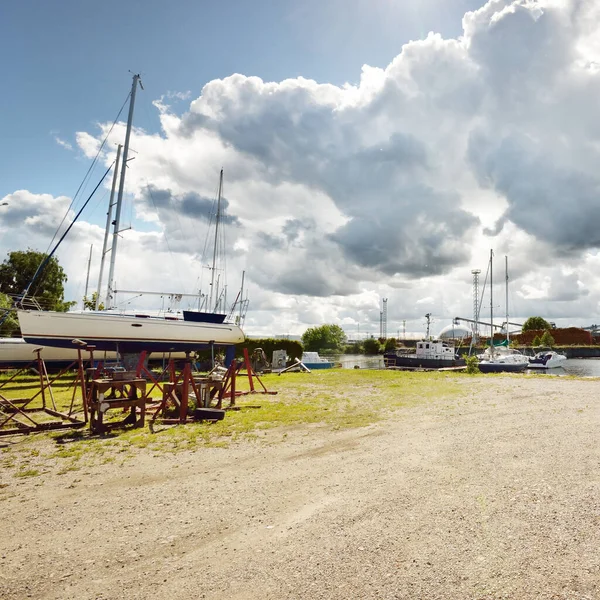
{"x": 126, "y": 393}
{"x": 229, "y": 383}
{"x": 177, "y": 391}
{"x": 18, "y": 416}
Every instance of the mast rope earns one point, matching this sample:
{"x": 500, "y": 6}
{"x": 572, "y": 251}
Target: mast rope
{"x": 88, "y": 173}
{"x": 43, "y": 264}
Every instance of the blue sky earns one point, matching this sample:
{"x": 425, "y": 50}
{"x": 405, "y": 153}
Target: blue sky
{"x": 388, "y": 181}
{"x": 69, "y": 61}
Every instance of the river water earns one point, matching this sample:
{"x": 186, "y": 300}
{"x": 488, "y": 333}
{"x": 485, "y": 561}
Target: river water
{"x": 581, "y": 367}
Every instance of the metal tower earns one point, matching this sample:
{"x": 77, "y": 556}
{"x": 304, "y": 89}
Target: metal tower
{"x": 384, "y": 319}
{"x": 475, "y": 326}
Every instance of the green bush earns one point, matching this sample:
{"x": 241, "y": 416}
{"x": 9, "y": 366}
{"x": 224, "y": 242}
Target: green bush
{"x": 390, "y": 344}
{"x": 547, "y": 339}
{"x": 355, "y": 348}
{"x": 372, "y": 346}
{"x": 536, "y": 341}
{"x": 472, "y": 365}
{"x": 293, "y": 348}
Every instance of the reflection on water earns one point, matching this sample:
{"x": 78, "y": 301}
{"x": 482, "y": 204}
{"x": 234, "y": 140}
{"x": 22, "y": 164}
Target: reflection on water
{"x": 350, "y": 361}
{"x": 581, "y": 367}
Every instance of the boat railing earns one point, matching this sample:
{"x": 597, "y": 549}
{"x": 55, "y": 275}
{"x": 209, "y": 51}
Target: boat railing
{"x": 27, "y": 303}
{"x": 405, "y": 351}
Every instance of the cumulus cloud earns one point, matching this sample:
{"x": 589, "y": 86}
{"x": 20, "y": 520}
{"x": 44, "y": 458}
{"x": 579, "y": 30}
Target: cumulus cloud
{"x": 396, "y": 186}
{"x": 33, "y": 217}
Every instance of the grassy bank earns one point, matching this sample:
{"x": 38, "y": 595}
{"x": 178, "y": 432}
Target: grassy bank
{"x": 335, "y": 399}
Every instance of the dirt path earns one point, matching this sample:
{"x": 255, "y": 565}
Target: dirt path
{"x": 496, "y": 495}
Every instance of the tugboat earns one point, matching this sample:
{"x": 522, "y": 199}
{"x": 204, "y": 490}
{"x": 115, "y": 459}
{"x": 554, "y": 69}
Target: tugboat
{"x": 430, "y": 354}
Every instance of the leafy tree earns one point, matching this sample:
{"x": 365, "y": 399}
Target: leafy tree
{"x": 372, "y": 346}
{"x": 90, "y": 303}
{"x": 329, "y": 338}
{"x": 389, "y": 344}
{"x": 10, "y": 324}
{"x": 535, "y": 323}
{"x": 536, "y": 341}
{"x": 547, "y": 339}
{"x": 18, "y": 270}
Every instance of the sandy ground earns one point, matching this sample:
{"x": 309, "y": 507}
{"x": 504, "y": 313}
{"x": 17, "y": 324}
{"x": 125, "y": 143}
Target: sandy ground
{"x": 496, "y": 495}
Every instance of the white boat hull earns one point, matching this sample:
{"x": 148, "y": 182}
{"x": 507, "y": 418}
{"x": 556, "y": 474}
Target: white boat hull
{"x": 547, "y": 360}
{"x": 17, "y": 353}
{"x": 125, "y": 333}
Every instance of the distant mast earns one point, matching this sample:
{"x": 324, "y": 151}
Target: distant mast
{"x": 491, "y": 304}
{"x": 506, "y": 274}
{"x": 117, "y": 221}
{"x": 212, "y": 277}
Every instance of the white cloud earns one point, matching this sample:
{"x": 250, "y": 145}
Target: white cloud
{"x": 66, "y": 145}
{"x": 337, "y": 196}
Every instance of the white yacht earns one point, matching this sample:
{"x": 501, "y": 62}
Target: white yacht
{"x": 547, "y": 359}
{"x": 502, "y": 359}
{"x": 505, "y": 360}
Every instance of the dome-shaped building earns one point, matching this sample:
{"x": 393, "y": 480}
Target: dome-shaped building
{"x": 455, "y": 332}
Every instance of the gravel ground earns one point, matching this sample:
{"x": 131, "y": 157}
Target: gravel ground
{"x": 495, "y": 495}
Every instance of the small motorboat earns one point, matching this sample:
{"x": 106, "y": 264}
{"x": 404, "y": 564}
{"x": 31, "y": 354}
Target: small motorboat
{"x": 547, "y": 359}
{"x": 312, "y": 360}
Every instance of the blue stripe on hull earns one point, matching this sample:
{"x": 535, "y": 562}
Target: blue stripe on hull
{"x": 502, "y": 368}
{"x": 312, "y": 366}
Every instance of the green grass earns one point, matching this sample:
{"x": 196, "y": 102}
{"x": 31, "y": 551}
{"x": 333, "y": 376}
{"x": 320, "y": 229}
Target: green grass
{"x": 23, "y": 472}
{"x": 336, "y": 399}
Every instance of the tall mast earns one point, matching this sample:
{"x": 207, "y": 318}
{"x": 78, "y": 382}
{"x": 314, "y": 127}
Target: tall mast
{"x": 242, "y": 296}
{"x": 218, "y": 218}
{"x": 491, "y": 305}
{"x": 506, "y": 273}
{"x": 117, "y": 222}
{"x": 87, "y": 279}
{"x": 107, "y": 231}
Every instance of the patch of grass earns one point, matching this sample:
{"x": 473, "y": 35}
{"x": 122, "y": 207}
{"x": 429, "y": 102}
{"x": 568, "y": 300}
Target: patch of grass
{"x": 336, "y": 399}
{"x": 24, "y": 472}
{"x": 72, "y": 452}
{"x": 69, "y": 468}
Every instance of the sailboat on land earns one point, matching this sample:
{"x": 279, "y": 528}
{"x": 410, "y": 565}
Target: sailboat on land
{"x": 502, "y": 359}
{"x": 127, "y": 332}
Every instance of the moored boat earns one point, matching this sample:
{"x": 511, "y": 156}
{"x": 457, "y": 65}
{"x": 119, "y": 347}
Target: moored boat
{"x": 547, "y": 359}
{"x": 429, "y": 354}
{"x": 312, "y": 360}
{"x": 16, "y": 353}
{"x": 501, "y": 359}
